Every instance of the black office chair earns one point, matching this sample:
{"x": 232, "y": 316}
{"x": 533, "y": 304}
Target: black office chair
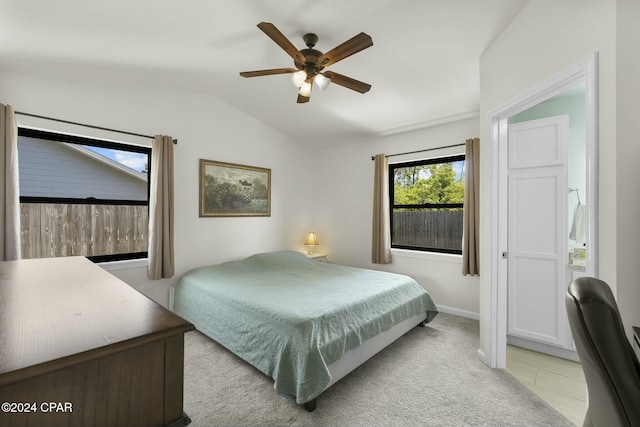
{"x": 610, "y": 366}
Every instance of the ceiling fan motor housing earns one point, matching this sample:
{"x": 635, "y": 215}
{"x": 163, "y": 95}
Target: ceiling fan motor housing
{"x": 311, "y": 65}
{"x": 311, "y": 55}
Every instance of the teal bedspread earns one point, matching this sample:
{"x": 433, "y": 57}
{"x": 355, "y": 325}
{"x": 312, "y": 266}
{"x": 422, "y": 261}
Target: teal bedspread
{"x": 291, "y": 317}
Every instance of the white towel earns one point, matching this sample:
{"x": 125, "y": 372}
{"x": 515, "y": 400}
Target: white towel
{"x": 578, "y": 227}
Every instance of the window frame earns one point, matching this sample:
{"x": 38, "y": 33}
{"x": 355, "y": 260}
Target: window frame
{"x": 425, "y": 162}
{"x": 101, "y": 143}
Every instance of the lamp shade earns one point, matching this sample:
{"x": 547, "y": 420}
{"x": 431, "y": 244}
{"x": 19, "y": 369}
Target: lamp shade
{"x": 312, "y": 239}
{"x": 305, "y": 89}
{"x": 322, "y": 81}
{"x": 298, "y": 78}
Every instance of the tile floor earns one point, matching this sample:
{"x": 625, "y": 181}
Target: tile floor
{"x": 557, "y": 381}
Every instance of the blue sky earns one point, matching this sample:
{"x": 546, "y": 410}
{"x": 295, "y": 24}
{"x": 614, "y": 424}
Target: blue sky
{"x": 136, "y": 161}
{"x": 458, "y": 168}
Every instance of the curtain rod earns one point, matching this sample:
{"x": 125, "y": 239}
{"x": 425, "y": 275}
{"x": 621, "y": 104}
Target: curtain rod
{"x": 420, "y": 151}
{"x": 175, "y": 141}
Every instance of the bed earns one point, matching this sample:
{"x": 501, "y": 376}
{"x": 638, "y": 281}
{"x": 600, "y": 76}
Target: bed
{"x": 304, "y": 323}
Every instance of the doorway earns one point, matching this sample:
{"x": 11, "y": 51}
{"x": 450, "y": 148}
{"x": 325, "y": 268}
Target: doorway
{"x": 581, "y": 77}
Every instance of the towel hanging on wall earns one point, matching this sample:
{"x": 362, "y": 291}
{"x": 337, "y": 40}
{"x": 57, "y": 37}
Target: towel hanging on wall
{"x": 578, "y": 225}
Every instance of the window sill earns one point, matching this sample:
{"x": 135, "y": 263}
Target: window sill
{"x": 123, "y": 265}
{"x": 433, "y": 256}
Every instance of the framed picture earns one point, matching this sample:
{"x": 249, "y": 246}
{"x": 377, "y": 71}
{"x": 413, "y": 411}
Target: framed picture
{"x": 228, "y": 189}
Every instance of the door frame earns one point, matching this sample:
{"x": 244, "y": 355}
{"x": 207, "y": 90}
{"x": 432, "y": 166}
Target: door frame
{"x": 494, "y": 325}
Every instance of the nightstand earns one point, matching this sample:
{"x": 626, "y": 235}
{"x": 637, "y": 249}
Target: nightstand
{"x": 318, "y": 257}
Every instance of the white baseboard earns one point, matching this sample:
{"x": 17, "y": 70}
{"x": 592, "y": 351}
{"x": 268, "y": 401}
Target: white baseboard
{"x": 458, "y": 312}
{"x": 482, "y": 357}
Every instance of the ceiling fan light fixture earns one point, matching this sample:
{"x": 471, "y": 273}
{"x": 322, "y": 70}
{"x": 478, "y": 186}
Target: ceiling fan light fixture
{"x": 310, "y": 62}
{"x": 322, "y": 81}
{"x": 298, "y": 78}
{"x": 305, "y": 89}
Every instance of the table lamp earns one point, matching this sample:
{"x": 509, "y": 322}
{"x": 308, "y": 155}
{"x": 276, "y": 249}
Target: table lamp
{"x": 311, "y": 242}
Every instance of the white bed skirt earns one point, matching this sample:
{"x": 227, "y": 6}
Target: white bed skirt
{"x": 357, "y": 356}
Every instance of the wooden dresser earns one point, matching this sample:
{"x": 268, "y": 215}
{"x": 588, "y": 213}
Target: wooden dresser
{"x": 79, "y": 347}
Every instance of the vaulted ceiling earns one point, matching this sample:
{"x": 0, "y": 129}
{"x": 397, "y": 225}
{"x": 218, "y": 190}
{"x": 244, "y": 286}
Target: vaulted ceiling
{"x": 423, "y": 65}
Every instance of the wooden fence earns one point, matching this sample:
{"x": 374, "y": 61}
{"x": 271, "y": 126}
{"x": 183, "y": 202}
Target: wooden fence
{"x": 54, "y": 230}
{"x": 434, "y": 228}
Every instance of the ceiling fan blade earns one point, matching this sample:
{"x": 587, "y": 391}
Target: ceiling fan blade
{"x": 347, "y": 82}
{"x": 348, "y": 48}
{"x": 270, "y": 30}
{"x": 303, "y": 99}
{"x": 259, "y": 73}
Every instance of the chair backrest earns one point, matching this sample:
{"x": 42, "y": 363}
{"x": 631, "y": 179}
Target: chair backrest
{"x": 610, "y": 366}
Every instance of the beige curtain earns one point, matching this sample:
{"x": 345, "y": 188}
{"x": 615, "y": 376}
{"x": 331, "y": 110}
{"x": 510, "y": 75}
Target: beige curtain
{"x": 381, "y": 241}
{"x": 471, "y": 228}
{"x": 161, "y": 262}
{"x": 10, "y": 192}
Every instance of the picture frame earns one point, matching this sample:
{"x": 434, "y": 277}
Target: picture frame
{"x": 230, "y": 189}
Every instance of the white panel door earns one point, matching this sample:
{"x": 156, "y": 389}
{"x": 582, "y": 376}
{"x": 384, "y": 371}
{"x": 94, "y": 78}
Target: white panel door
{"x": 537, "y": 230}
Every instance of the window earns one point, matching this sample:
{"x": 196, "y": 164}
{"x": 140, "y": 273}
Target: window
{"x": 82, "y": 196}
{"x": 426, "y": 204}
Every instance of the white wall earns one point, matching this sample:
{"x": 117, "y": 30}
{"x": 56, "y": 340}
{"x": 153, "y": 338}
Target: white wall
{"x": 343, "y": 201}
{"x": 628, "y": 159}
{"x": 544, "y": 39}
{"x": 206, "y": 128}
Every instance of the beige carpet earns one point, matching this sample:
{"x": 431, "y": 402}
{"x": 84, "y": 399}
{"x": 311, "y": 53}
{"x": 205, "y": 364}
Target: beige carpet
{"x": 429, "y": 377}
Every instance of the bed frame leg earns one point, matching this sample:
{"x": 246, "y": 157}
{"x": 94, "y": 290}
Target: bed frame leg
{"x": 310, "y": 406}
{"x": 423, "y": 324}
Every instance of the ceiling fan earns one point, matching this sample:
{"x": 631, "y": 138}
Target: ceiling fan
{"x": 310, "y": 63}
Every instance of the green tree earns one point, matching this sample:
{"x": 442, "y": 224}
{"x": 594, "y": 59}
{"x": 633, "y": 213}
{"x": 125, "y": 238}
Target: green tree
{"x": 435, "y": 183}
{"x": 442, "y": 186}
{"x": 407, "y": 176}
